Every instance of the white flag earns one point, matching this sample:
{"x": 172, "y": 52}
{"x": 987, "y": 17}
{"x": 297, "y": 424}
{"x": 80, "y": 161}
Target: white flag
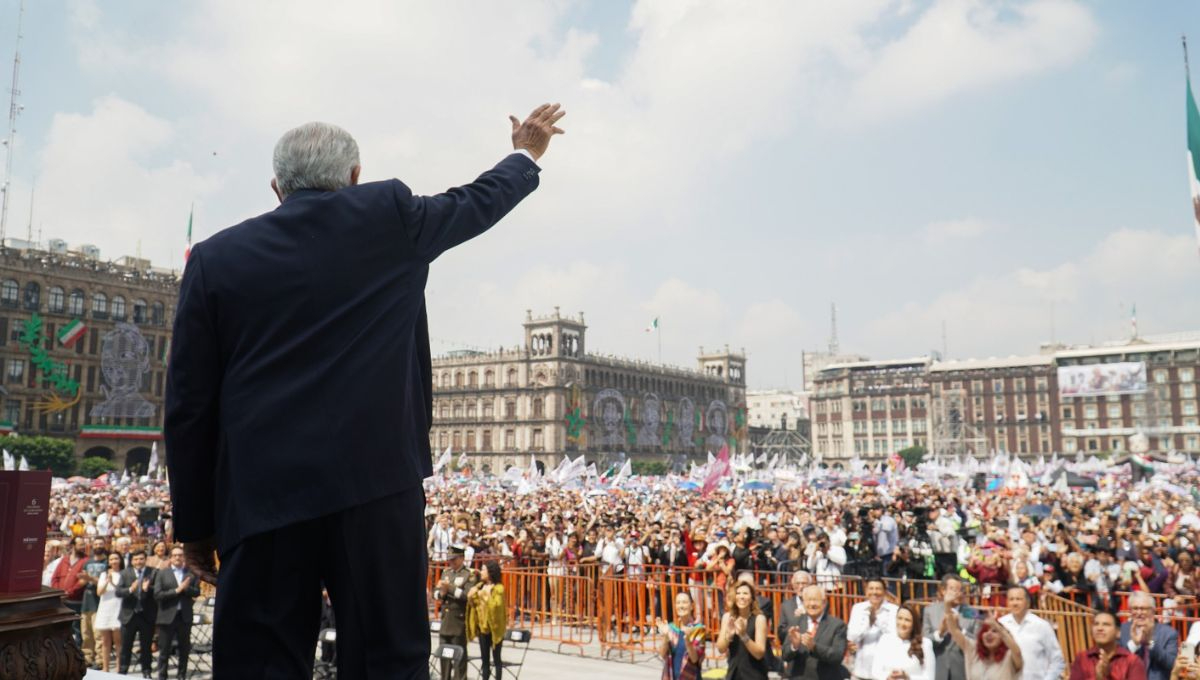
{"x": 762, "y": 458}
{"x": 591, "y": 470}
{"x": 622, "y": 474}
{"x": 125, "y": 476}
{"x": 153, "y": 471}
{"x": 24, "y": 465}
{"x": 442, "y": 461}
{"x": 462, "y": 460}
{"x": 9, "y": 462}
{"x": 774, "y": 462}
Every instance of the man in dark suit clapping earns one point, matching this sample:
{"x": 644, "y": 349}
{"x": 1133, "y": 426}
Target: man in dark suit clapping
{"x": 176, "y": 590}
{"x": 299, "y": 403}
{"x": 815, "y": 644}
{"x": 138, "y": 611}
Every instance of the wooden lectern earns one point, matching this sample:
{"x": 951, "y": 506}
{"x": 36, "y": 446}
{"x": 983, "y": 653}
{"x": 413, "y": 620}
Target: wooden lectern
{"x": 35, "y": 627}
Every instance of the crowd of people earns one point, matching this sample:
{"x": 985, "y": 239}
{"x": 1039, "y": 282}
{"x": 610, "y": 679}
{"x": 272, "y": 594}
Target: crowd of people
{"x": 1083, "y": 545}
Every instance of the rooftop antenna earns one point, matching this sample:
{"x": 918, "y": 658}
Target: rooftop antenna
{"x": 833, "y": 339}
{"x": 14, "y": 110}
{"x": 29, "y": 229}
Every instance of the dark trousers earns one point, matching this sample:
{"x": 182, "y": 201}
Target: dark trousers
{"x": 142, "y": 627}
{"x": 177, "y": 633}
{"x": 372, "y": 560}
{"x": 489, "y": 656}
{"x": 75, "y": 606}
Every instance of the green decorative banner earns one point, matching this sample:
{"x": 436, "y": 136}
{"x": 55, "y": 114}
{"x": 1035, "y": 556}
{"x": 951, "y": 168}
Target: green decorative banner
{"x": 55, "y": 374}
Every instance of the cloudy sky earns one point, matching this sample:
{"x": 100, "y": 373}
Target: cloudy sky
{"x": 1012, "y": 169}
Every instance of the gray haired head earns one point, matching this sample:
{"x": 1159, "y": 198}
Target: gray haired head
{"x": 314, "y": 156}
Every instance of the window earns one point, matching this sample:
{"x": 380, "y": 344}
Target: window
{"x": 899, "y": 427}
{"x": 75, "y": 303}
{"x": 158, "y": 314}
{"x": 456, "y": 441}
{"x": 473, "y": 379}
{"x": 33, "y": 296}
{"x": 1116, "y": 444}
{"x": 457, "y": 411}
{"x": 860, "y": 446}
{"x": 1093, "y": 445}
{"x": 471, "y": 411}
{"x": 537, "y": 438}
{"x": 997, "y": 386}
{"x": 510, "y": 440}
{"x": 1187, "y": 391}
{"x": 445, "y": 380}
{"x": 9, "y": 292}
{"x": 470, "y": 443}
{"x": 56, "y": 300}
{"x": 879, "y": 427}
{"x": 118, "y": 308}
{"x": 487, "y": 409}
{"x": 1186, "y": 374}
{"x": 1018, "y": 385}
{"x": 510, "y": 409}
{"x": 487, "y": 440}
{"x": 16, "y": 370}
{"x": 976, "y": 386}
{"x": 860, "y": 427}
{"x": 445, "y": 411}
{"x": 1089, "y": 411}
{"x": 12, "y": 411}
{"x": 442, "y": 439}
{"x": 1069, "y": 445}
{"x": 489, "y": 379}
{"x": 538, "y": 409}
{"x": 458, "y": 379}
{"x": 1191, "y": 442}
{"x": 1189, "y": 408}
{"x": 1139, "y": 408}
{"x": 1160, "y": 376}
{"x": 1041, "y": 384}
{"x": 1114, "y": 411}
{"x": 1068, "y": 412}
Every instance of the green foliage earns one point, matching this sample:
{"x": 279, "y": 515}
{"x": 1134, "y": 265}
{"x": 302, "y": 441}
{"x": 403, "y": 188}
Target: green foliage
{"x": 648, "y": 468}
{"x": 912, "y": 456}
{"x": 94, "y": 466}
{"x": 43, "y": 453}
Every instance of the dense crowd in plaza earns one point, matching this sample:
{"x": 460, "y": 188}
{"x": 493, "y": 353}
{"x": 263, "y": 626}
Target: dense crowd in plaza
{"x": 1085, "y": 545}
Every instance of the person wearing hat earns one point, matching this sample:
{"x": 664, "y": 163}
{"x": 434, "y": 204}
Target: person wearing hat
{"x": 452, "y": 590}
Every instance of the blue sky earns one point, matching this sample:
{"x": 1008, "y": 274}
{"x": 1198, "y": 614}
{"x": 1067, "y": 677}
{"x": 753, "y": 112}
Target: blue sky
{"x": 732, "y": 168}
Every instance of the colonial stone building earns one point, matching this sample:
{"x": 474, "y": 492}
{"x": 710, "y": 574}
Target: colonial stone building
{"x": 83, "y": 344}
{"x": 552, "y": 396}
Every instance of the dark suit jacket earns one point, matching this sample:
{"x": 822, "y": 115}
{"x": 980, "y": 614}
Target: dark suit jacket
{"x": 824, "y": 661}
{"x": 1162, "y": 652}
{"x": 299, "y": 381}
{"x": 135, "y": 600}
{"x": 171, "y": 603}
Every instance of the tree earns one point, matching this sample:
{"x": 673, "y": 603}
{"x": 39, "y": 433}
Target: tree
{"x": 43, "y": 453}
{"x": 912, "y": 456}
{"x": 648, "y": 468}
{"x": 94, "y": 466}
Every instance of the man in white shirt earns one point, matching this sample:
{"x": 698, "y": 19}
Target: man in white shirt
{"x": 1043, "y": 658}
{"x": 610, "y": 549}
{"x": 869, "y": 620}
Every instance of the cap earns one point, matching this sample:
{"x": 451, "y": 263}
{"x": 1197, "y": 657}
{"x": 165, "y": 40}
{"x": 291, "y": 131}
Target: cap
{"x": 457, "y": 549}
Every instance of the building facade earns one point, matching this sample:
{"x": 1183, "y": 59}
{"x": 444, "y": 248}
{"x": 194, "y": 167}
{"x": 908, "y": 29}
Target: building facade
{"x": 83, "y": 344}
{"x": 1088, "y": 399}
{"x": 552, "y": 397}
{"x": 777, "y": 409}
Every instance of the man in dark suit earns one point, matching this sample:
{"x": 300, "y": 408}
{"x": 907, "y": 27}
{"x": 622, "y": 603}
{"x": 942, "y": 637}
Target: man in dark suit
{"x": 138, "y": 611}
{"x": 814, "y": 646}
{"x": 176, "y": 590}
{"x": 1156, "y": 644}
{"x": 950, "y": 662}
{"x": 299, "y": 402}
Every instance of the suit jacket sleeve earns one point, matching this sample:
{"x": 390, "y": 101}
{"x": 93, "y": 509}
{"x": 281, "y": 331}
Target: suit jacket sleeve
{"x": 1166, "y": 648}
{"x": 831, "y": 647}
{"x": 438, "y": 223}
{"x": 164, "y": 588}
{"x": 191, "y": 423}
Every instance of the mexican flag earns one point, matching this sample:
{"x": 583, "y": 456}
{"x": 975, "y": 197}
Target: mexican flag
{"x": 1193, "y": 138}
{"x": 653, "y": 325}
{"x": 68, "y": 334}
{"x": 187, "y": 252}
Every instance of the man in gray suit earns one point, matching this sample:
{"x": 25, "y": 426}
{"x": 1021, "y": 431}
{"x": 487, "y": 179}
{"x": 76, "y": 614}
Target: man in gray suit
{"x": 950, "y": 663}
{"x": 815, "y": 644}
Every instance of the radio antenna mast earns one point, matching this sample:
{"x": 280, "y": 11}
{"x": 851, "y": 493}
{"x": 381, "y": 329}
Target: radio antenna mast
{"x": 14, "y": 110}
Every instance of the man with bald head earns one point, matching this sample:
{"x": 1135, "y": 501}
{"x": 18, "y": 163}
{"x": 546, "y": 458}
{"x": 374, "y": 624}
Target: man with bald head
{"x": 815, "y": 644}
{"x": 1156, "y": 644}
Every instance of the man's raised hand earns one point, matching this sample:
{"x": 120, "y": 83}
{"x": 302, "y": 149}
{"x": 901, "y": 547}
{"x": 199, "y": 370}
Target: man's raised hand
{"x": 534, "y": 134}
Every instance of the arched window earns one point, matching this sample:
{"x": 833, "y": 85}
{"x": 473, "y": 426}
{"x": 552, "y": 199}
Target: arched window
{"x": 510, "y": 409}
{"x": 99, "y": 306}
{"x": 458, "y": 379}
{"x": 538, "y": 408}
{"x": 457, "y": 411}
{"x": 56, "y": 300}
{"x": 471, "y": 411}
{"x": 445, "y": 411}
{"x": 9, "y": 292}
{"x": 512, "y": 377}
{"x": 118, "y": 308}
{"x": 139, "y": 311}
{"x": 489, "y": 379}
{"x": 473, "y": 379}
{"x": 75, "y": 303}
{"x": 33, "y": 296}
{"x": 446, "y": 379}
{"x": 158, "y": 314}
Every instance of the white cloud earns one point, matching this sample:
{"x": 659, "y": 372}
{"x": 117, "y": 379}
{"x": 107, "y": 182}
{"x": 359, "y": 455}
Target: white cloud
{"x": 1083, "y": 299}
{"x": 959, "y": 46}
{"x": 938, "y": 233}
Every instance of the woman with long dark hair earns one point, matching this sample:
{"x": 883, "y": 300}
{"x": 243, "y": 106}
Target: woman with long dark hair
{"x": 743, "y": 635}
{"x": 992, "y": 655}
{"x": 904, "y": 654}
{"x": 487, "y": 616}
{"x": 682, "y": 643}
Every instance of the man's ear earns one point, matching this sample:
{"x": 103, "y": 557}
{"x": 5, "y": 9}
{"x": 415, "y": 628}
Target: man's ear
{"x": 354, "y": 173}
{"x": 275, "y": 188}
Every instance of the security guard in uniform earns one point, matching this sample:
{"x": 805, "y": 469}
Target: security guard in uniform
{"x": 452, "y": 590}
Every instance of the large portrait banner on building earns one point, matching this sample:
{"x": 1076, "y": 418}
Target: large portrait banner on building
{"x": 1102, "y": 379}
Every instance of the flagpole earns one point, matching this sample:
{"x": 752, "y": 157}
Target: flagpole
{"x": 1186, "y": 69}
{"x": 659, "y": 341}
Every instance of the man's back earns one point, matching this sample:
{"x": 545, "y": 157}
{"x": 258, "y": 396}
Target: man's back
{"x": 311, "y": 318}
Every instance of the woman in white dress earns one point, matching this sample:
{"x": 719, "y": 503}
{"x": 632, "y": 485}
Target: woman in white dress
{"x": 108, "y": 620}
{"x": 904, "y": 654}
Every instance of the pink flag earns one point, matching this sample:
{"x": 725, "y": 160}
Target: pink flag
{"x": 718, "y": 469}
